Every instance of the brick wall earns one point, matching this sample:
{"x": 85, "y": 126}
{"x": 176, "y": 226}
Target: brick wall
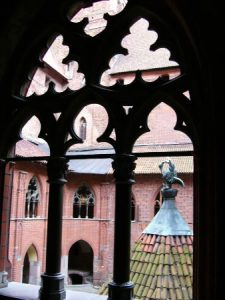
{"x": 26, "y": 232}
{"x": 97, "y": 232}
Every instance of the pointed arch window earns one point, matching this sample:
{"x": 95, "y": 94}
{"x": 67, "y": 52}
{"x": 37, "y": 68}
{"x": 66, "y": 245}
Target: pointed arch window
{"x": 83, "y": 203}
{"x": 83, "y": 128}
{"x": 32, "y": 198}
{"x": 158, "y": 203}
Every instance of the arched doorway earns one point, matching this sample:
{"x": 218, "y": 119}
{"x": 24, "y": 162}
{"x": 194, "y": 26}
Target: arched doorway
{"x": 26, "y": 269}
{"x": 80, "y": 263}
{"x": 31, "y": 268}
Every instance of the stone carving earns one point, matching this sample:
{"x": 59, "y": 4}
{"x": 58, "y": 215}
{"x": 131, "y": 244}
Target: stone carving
{"x": 95, "y": 15}
{"x": 62, "y": 75}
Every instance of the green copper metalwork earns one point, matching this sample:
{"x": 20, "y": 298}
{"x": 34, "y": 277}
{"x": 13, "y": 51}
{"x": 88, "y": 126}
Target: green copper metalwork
{"x": 170, "y": 176}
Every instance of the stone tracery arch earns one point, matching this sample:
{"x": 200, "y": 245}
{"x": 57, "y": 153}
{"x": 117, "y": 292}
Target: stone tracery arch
{"x": 55, "y": 132}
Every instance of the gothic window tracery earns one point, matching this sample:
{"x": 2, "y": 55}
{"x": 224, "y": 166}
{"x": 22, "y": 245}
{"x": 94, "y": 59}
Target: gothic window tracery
{"x": 83, "y": 203}
{"x": 124, "y": 127}
{"x": 95, "y": 15}
{"x": 62, "y": 76}
{"x": 32, "y": 198}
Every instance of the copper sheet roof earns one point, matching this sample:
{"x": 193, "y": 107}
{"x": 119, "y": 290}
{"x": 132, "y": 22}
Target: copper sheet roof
{"x": 168, "y": 221}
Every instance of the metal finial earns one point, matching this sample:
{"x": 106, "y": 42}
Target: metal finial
{"x": 169, "y": 176}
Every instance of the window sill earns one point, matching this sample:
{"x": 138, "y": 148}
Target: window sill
{"x": 21, "y": 291}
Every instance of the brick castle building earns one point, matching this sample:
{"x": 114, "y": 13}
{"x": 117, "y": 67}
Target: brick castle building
{"x": 88, "y": 208}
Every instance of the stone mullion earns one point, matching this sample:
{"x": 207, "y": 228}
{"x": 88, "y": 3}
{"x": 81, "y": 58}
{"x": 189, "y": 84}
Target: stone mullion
{"x": 28, "y": 209}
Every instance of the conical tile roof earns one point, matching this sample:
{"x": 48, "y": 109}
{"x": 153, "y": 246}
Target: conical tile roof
{"x": 162, "y": 257}
{"x": 161, "y": 267}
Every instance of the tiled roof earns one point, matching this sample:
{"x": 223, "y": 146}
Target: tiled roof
{"x": 150, "y": 165}
{"x": 144, "y": 165}
{"x": 163, "y": 147}
{"x": 161, "y": 265}
{"x": 161, "y": 268}
{"x": 26, "y": 148}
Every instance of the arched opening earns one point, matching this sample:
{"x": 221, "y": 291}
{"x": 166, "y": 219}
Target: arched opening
{"x": 80, "y": 263}
{"x": 156, "y": 206}
{"x": 31, "y": 266}
{"x": 76, "y": 278}
{"x": 158, "y": 203}
{"x": 26, "y": 269}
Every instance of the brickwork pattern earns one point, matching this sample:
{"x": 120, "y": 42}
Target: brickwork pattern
{"x": 97, "y": 232}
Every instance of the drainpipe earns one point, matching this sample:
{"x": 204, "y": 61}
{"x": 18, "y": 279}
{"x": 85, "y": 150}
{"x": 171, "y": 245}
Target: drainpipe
{"x": 3, "y": 273}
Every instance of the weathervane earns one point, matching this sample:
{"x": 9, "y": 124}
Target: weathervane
{"x": 169, "y": 176}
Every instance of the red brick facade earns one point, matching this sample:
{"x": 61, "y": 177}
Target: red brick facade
{"x": 97, "y": 232}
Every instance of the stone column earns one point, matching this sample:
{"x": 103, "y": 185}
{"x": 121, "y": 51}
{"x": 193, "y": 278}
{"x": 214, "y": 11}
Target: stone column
{"x": 121, "y": 288}
{"x": 53, "y": 280}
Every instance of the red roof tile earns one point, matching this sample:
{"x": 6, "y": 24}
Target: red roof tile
{"x": 165, "y": 272}
{"x": 26, "y": 148}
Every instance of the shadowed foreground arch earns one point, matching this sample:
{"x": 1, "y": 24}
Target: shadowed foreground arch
{"x": 183, "y": 27}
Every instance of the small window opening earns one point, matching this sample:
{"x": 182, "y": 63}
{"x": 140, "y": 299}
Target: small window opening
{"x": 83, "y": 128}
{"x": 76, "y": 278}
{"x": 30, "y": 267}
{"x": 80, "y": 263}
